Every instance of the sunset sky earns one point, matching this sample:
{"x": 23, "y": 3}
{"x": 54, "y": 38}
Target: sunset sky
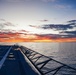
{"x": 37, "y": 20}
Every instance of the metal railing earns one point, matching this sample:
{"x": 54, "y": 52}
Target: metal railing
{"x": 46, "y": 65}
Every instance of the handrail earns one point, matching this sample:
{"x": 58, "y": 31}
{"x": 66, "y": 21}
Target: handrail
{"x": 35, "y": 57}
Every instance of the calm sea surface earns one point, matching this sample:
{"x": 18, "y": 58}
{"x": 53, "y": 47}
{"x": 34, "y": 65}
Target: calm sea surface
{"x": 63, "y": 52}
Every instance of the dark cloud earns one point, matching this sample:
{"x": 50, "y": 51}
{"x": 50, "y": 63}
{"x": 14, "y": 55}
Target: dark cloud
{"x": 57, "y": 26}
{"x": 45, "y": 20}
{"x": 23, "y": 31}
{"x": 1, "y": 23}
{"x": 71, "y": 32}
{"x": 1, "y": 26}
{"x": 72, "y": 21}
{"x": 8, "y": 24}
{"x": 2, "y": 20}
{"x": 70, "y": 25}
{"x": 7, "y": 31}
{"x": 4, "y": 24}
{"x": 34, "y": 26}
{"x": 65, "y": 30}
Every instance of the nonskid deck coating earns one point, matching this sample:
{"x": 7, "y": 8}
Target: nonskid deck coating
{"x": 15, "y": 64}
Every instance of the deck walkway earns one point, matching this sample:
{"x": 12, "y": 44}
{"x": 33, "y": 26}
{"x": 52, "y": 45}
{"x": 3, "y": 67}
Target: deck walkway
{"x": 20, "y": 60}
{"x": 15, "y": 63}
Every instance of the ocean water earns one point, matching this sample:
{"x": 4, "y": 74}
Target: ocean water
{"x": 63, "y": 52}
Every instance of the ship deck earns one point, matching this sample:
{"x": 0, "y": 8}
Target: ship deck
{"x": 20, "y": 60}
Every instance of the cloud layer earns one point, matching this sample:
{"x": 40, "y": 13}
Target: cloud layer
{"x": 65, "y": 32}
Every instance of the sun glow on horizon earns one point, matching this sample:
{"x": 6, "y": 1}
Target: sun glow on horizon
{"x": 16, "y": 37}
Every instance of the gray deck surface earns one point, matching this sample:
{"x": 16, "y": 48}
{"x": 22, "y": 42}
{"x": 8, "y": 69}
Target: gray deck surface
{"x": 15, "y": 64}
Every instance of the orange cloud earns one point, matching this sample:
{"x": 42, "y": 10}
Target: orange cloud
{"x": 20, "y": 37}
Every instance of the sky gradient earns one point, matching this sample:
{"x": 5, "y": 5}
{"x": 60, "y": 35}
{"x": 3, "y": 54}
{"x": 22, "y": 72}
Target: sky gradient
{"x": 37, "y": 20}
